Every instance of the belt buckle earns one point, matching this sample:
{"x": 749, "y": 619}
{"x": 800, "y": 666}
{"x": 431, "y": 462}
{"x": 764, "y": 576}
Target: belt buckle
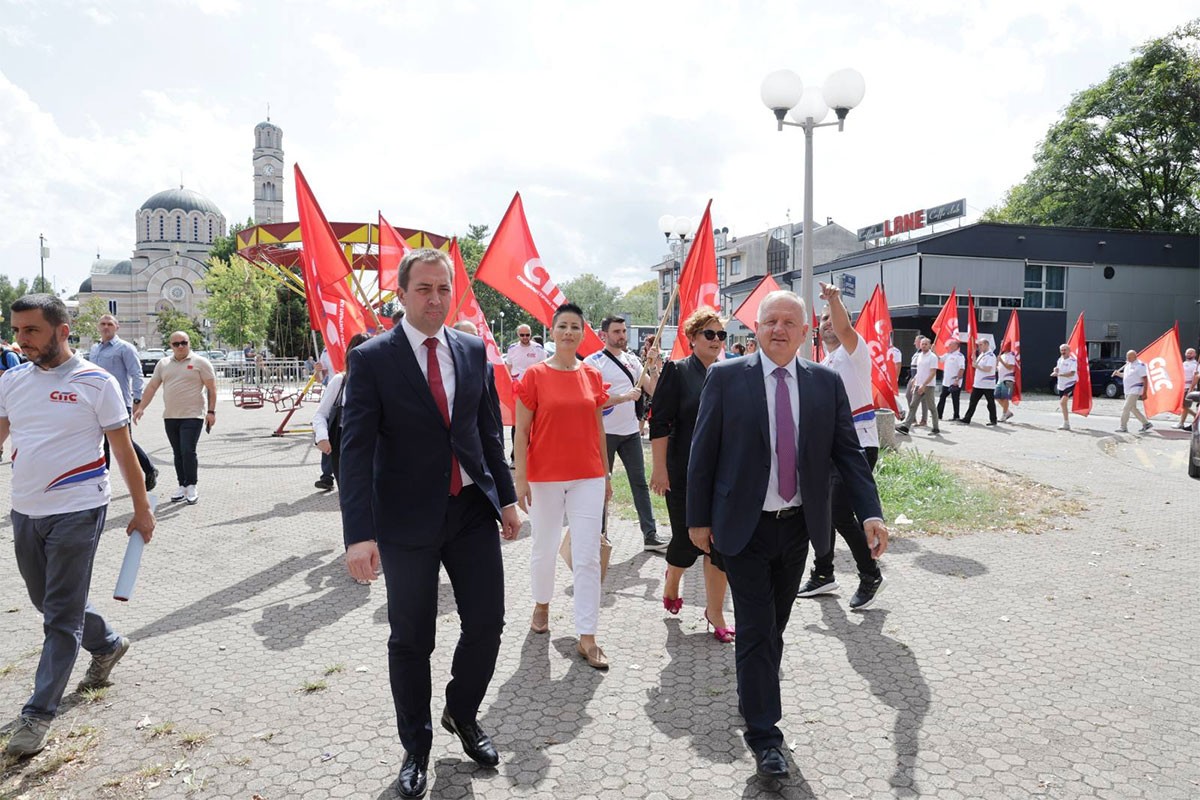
{"x": 785, "y": 513}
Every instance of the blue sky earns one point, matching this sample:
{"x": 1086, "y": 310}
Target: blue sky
{"x": 605, "y": 115}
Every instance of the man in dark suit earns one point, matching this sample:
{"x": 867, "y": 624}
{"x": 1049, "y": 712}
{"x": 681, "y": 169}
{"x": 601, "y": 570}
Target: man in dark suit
{"x": 424, "y": 480}
{"x": 770, "y": 431}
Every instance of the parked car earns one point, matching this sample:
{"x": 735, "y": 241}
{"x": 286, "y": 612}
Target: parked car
{"x": 1103, "y": 382}
{"x": 1194, "y": 453}
{"x": 149, "y": 358}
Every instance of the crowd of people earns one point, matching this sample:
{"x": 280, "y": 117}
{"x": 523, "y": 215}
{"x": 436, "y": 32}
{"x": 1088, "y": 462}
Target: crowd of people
{"x": 758, "y": 457}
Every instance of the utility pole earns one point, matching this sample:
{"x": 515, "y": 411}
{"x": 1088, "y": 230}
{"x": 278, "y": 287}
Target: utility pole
{"x": 43, "y": 252}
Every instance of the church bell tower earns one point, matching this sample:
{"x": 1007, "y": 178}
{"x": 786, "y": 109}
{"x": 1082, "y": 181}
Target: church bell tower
{"x": 268, "y": 173}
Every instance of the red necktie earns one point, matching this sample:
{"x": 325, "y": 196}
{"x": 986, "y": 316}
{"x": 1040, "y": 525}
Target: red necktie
{"x": 434, "y": 370}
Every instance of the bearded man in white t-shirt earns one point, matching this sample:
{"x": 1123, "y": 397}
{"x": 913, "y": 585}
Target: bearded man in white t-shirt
{"x": 1191, "y": 381}
{"x": 58, "y": 409}
{"x": 1133, "y": 375}
{"x": 847, "y": 354}
{"x": 921, "y": 386}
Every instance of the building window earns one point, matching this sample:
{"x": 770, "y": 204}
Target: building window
{"x": 162, "y": 228}
{"x": 721, "y": 272}
{"x": 777, "y": 253}
{"x": 112, "y": 307}
{"x": 147, "y": 228}
{"x": 179, "y": 229}
{"x": 735, "y": 265}
{"x": 195, "y": 230}
{"x": 210, "y": 231}
{"x": 1045, "y": 286}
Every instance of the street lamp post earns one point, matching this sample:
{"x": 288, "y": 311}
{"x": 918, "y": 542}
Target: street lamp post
{"x": 43, "y": 254}
{"x": 681, "y": 227}
{"x": 502, "y": 326}
{"x": 783, "y": 92}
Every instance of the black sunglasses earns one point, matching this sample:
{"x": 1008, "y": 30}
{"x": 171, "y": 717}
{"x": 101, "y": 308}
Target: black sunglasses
{"x": 524, "y": 335}
{"x": 710, "y": 335}
{"x": 179, "y": 344}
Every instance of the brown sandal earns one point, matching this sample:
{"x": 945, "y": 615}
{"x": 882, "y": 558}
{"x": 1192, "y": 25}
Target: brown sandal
{"x": 541, "y": 620}
{"x": 594, "y": 655}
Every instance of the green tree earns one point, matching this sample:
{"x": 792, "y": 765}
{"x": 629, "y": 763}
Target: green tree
{"x": 9, "y": 292}
{"x": 240, "y": 300}
{"x": 1126, "y": 153}
{"x": 641, "y": 303}
{"x": 594, "y": 296}
{"x": 225, "y": 247}
{"x": 288, "y": 332}
{"x": 492, "y": 302}
{"x": 84, "y": 327}
{"x": 40, "y": 285}
{"x": 170, "y": 320}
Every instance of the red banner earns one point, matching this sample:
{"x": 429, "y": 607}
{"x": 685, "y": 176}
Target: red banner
{"x": 747, "y": 312}
{"x": 1164, "y": 375}
{"x": 513, "y": 267}
{"x": 1012, "y": 339}
{"x": 972, "y": 337}
{"x": 818, "y": 345}
{"x": 697, "y": 280}
{"x": 945, "y": 327}
{"x": 1081, "y": 400}
{"x": 464, "y": 306}
{"x": 332, "y": 308}
{"x": 392, "y": 250}
{"x": 875, "y": 326}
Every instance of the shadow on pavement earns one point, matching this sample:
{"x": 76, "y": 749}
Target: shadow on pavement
{"x": 221, "y": 604}
{"x": 284, "y": 626}
{"x": 318, "y": 501}
{"x": 796, "y": 787}
{"x": 532, "y": 711}
{"x": 697, "y": 695}
{"x": 893, "y": 676}
{"x": 950, "y": 566}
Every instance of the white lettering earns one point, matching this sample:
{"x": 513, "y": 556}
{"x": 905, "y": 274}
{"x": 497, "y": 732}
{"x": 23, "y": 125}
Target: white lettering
{"x": 535, "y": 278}
{"x": 1159, "y": 377}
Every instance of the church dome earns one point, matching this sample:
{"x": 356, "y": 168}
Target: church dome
{"x": 86, "y": 286}
{"x": 182, "y": 199}
{"x": 110, "y": 266}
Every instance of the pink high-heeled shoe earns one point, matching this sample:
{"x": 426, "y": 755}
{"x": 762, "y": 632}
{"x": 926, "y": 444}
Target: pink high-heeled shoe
{"x": 722, "y": 635}
{"x": 671, "y": 604}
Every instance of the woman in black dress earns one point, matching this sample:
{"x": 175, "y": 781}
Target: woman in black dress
{"x": 673, "y": 418}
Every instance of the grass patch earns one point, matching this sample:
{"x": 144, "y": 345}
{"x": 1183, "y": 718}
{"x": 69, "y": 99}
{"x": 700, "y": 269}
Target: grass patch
{"x": 194, "y": 739}
{"x": 311, "y": 687}
{"x": 335, "y": 669}
{"x": 151, "y": 771}
{"x": 60, "y": 758}
{"x": 162, "y": 729}
{"x": 94, "y": 695}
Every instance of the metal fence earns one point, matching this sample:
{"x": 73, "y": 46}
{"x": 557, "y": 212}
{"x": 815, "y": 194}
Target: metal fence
{"x": 288, "y": 373}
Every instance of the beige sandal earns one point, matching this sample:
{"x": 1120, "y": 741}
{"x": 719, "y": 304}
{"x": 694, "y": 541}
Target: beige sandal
{"x": 594, "y": 655}
{"x": 541, "y": 620}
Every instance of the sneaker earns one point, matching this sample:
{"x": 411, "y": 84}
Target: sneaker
{"x": 653, "y": 544}
{"x": 868, "y": 590}
{"x": 101, "y": 666}
{"x": 963, "y": 421}
{"x": 192, "y": 495}
{"x": 818, "y": 584}
{"x": 1147, "y": 426}
{"x": 1007, "y": 416}
{"x": 178, "y": 494}
{"x": 28, "y": 738}
{"x": 151, "y": 479}
{"x": 1066, "y": 426}
{"x": 935, "y": 432}
{"x": 991, "y": 424}
{"x": 902, "y": 429}
{"x": 1122, "y": 430}
{"x": 324, "y": 483}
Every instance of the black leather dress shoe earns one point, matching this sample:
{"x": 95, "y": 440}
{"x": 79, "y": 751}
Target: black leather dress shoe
{"x": 771, "y": 763}
{"x": 414, "y": 775}
{"x": 477, "y": 744}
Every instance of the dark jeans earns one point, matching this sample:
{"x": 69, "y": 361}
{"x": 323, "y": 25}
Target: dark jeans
{"x": 469, "y": 548}
{"x": 184, "y": 435}
{"x": 143, "y": 459}
{"x": 54, "y": 556}
{"x": 977, "y": 393}
{"x": 763, "y": 580}
{"x": 629, "y": 448}
{"x": 326, "y": 466}
{"x": 954, "y": 392}
{"x": 845, "y": 523}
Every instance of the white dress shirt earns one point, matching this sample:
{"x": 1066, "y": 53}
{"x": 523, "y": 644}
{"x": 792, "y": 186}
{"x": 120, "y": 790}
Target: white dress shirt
{"x": 773, "y": 501}
{"x": 445, "y": 365}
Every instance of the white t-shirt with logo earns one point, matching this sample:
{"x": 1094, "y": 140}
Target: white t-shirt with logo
{"x": 985, "y": 380}
{"x": 1006, "y": 366}
{"x": 953, "y": 365}
{"x": 521, "y": 357}
{"x": 1134, "y": 378}
{"x": 1189, "y": 372}
{"x": 1065, "y": 365}
{"x": 925, "y": 368}
{"x": 621, "y": 419}
{"x": 57, "y": 419}
{"x": 855, "y": 371}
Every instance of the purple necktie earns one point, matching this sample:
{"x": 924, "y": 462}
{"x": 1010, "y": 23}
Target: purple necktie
{"x": 785, "y": 436}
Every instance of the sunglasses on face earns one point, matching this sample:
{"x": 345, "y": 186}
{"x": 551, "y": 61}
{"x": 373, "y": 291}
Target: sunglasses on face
{"x": 179, "y": 344}
{"x": 524, "y": 335}
{"x": 710, "y": 335}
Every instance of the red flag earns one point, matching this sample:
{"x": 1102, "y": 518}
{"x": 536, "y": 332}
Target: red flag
{"x": 513, "y": 267}
{"x": 332, "y": 308}
{"x": 1081, "y": 400}
{"x": 945, "y": 327}
{"x": 392, "y": 250}
{"x": 697, "y": 280}
{"x": 875, "y": 326}
{"x": 818, "y": 345}
{"x": 1164, "y": 374}
{"x": 747, "y": 312}
{"x": 972, "y": 337}
{"x": 464, "y": 306}
{"x": 1012, "y": 337}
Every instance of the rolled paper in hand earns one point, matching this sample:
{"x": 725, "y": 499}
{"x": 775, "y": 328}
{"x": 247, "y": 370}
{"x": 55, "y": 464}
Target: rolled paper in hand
{"x": 133, "y": 560}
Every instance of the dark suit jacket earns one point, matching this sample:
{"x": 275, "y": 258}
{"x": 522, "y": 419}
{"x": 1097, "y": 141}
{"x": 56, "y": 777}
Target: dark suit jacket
{"x": 731, "y": 453}
{"x": 395, "y": 455}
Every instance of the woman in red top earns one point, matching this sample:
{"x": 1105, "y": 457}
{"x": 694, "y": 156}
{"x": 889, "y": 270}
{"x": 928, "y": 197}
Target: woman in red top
{"x": 562, "y": 466}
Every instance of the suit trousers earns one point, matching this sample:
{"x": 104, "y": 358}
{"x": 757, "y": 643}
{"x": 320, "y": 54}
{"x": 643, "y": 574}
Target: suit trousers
{"x": 583, "y": 503}
{"x": 763, "y": 580}
{"x": 846, "y": 523}
{"x": 976, "y": 395}
{"x": 953, "y": 392}
{"x": 468, "y": 545}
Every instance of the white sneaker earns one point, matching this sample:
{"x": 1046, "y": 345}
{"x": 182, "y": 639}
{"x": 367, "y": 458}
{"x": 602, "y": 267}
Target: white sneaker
{"x": 192, "y": 495}
{"x": 1066, "y": 426}
{"x": 178, "y": 494}
{"x": 1007, "y": 416}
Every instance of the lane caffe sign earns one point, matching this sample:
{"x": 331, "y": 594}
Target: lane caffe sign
{"x": 913, "y": 221}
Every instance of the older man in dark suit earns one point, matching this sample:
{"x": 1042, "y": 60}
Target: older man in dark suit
{"x": 424, "y": 481}
{"x": 771, "y": 429}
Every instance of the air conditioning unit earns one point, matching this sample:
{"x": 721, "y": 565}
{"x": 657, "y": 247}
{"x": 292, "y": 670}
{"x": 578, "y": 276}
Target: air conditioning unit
{"x": 989, "y": 315}
{"x": 1112, "y": 331}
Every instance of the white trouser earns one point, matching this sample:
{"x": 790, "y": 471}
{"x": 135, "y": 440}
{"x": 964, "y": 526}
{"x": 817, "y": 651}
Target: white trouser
{"x": 583, "y": 502}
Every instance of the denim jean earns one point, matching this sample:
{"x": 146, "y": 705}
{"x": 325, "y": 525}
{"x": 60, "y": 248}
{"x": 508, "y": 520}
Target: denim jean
{"x": 629, "y": 450}
{"x": 54, "y": 557}
{"x": 184, "y": 434}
